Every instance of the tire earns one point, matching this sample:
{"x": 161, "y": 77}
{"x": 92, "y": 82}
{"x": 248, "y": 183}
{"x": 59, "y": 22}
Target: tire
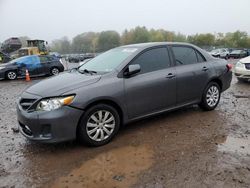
{"x": 54, "y": 71}
{"x": 91, "y": 129}
{"x": 11, "y": 75}
{"x": 210, "y": 97}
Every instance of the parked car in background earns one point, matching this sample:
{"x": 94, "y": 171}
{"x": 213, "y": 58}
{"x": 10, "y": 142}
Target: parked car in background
{"x": 248, "y": 52}
{"x": 120, "y": 86}
{"x": 74, "y": 58}
{"x": 56, "y": 54}
{"x": 242, "y": 69}
{"x": 238, "y": 54}
{"x": 220, "y": 53}
{"x": 84, "y": 61}
{"x": 36, "y": 65}
{"x": 80, "y": 57}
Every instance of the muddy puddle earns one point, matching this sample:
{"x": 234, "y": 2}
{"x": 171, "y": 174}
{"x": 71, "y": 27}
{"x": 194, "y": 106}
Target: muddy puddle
{"x": 233, "y": 145}
{"x": 115, "y": 168}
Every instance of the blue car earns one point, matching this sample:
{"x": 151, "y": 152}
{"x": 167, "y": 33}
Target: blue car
{"x": 36, "y": 65}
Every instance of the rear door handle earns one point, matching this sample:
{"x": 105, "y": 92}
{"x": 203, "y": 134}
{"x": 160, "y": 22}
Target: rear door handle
{"x": 204, "y": 69}
{"x": 170, "y": 75}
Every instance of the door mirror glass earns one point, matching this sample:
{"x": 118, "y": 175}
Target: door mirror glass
{"x": 132, "y": 69}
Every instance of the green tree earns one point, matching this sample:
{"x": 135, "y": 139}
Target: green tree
{"x": 108, "y": 40}
{"x": 61, "y": 45}
{"x": 140, "y": 35}
{"x": 157, "y": 35}
{"x": 83, "y": 43}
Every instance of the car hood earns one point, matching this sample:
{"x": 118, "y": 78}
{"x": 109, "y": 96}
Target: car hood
{"x": 245, "y": 60}
{"x": 65, "y": 82}
{"x": 7, "y": 64}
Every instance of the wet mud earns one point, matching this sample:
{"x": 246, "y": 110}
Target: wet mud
{"x": 184, "y": 148}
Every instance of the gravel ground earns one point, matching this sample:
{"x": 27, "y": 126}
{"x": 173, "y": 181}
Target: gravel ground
{"x": 185, "y": 148}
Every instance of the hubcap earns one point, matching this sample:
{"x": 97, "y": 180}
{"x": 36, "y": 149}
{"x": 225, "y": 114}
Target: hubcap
{"x": 212, "y": 96}
{"x": 100, "y": 125}
{"x": 12, "y": 75}
{"x": 55, "y": 71}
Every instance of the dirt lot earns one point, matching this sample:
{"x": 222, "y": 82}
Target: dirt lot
{"x": 185, "y": 148}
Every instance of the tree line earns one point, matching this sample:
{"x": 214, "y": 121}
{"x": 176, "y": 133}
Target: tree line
{"x": 101, "y": 41}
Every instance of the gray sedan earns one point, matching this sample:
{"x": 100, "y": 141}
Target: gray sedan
{"x": 122, "y": 85}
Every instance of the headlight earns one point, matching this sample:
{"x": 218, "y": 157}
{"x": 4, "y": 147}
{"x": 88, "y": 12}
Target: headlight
{"x": 54, "y": 103}
{"x": 240, "y": 65}
{"x": 2, "y": 68}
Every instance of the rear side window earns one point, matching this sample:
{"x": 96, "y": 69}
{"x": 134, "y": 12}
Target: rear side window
{"x": 153, "y": 59}
{"x": 43, "y": 59}
{"x": 186, "y": 55}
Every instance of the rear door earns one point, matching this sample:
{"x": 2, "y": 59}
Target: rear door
{"x": 45, "y": 64}
{"x": 153, "y": 89}
{"x": 192, "y": 72}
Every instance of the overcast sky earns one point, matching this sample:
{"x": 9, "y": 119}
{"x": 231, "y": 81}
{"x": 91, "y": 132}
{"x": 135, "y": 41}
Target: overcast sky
{"x": 52, "y": 19}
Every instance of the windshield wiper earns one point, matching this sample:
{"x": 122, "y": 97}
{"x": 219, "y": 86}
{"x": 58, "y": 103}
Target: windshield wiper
{"x": 87, "y": 71}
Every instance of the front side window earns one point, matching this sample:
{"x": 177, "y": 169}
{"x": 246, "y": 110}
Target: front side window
{"x": 152, "y": 60}
{"x": 184, "y": 55}
{"x": 200, "y": 57}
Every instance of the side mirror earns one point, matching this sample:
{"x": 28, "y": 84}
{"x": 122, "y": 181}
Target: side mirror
{"x": 132, "y": 69}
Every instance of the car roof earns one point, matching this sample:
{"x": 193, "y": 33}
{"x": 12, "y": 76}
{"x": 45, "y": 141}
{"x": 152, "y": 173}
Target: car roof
{"x": 152, "y": 44}
{"x": 143, "y": 46}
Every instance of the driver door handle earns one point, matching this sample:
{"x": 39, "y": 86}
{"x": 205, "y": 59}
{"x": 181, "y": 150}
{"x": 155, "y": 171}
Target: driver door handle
{"x": 170, "y": 75}
{"x": 204, "y": 69}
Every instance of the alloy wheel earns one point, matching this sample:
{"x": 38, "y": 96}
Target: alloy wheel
{"x": 100, "y": 125}
{"x": 11, "y": 75}
{"x": 55, "y": 71}
{"x": 212, "y": 96}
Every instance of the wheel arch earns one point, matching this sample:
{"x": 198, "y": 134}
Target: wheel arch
{"x": 107, "y": 102}
{"x": 216, "y": 80}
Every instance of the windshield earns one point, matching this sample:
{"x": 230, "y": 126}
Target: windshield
{"x": 109, "y": 60}
{"x": 18, "y": 59}
{"x": 237, "y": 51}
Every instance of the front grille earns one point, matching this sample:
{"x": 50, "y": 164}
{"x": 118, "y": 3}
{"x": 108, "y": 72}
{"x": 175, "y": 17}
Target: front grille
{"x": 247, "y": 65}
{"x": 27, "y": 103}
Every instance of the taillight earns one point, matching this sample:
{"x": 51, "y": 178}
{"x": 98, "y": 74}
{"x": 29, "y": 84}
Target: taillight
{"x": 229, "y": 67}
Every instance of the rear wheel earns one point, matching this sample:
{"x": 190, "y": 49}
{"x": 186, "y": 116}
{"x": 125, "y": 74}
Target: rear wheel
{"x": 54, "y": 71}
{"x": 11, "y": 75}
{"x": 99, "y": 125}
{"x": 211, "y": 96}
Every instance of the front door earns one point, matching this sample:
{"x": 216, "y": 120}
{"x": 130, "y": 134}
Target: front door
{"x": 153, "y": 89}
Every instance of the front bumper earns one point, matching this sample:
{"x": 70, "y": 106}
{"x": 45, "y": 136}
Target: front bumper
{"x": 2, "y": 75}
{"x": 242, "y": 73}
{"x": 49, "y": 127}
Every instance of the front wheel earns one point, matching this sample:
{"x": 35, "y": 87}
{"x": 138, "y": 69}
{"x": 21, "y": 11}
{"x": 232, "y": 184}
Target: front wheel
{"x": 210, "y": 97}
{"x": 11, "y": 75}
{"x": 99, "y": 125}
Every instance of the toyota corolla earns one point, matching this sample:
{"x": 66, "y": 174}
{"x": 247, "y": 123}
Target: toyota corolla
{"x": 122, "y": 85}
